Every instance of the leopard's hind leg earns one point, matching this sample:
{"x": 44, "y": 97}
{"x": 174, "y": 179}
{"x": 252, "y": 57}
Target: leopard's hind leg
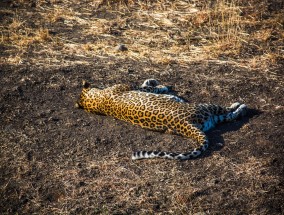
{"x": 237, "y": 110}
{"x": 231, "y": 113}
{"x": 234, "y": 106}
{"x": 215, "y": 114}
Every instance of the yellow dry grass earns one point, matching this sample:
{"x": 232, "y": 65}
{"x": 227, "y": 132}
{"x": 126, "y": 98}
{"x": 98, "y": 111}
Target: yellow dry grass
{"x": 163, "y": 32}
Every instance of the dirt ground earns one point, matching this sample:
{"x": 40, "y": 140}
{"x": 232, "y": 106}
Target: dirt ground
{"x": 56, "y": 159}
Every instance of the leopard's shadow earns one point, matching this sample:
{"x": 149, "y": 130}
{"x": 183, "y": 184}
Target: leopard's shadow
{"x": 215, "y": 135}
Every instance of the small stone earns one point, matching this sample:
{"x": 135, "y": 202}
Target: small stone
{"x": 82, "y": 183}
{"x": 130, "y": 71}
{"x": 121, "y": 47}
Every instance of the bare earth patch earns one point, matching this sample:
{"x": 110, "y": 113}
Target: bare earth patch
{"x": 56, "y": 159}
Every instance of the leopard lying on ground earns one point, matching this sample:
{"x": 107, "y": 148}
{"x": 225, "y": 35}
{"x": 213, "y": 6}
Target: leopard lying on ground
{"x": 152, "y": 107}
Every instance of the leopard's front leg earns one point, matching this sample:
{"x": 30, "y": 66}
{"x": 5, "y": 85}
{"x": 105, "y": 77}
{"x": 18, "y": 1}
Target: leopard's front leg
{"x": 153, "y": 86}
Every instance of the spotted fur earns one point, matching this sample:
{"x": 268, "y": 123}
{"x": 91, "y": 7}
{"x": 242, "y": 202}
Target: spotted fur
{"x": 153, "y": 108}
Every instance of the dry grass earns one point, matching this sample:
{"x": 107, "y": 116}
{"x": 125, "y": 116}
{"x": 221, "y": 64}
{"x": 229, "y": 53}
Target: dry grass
{"x": 165, "y": 32}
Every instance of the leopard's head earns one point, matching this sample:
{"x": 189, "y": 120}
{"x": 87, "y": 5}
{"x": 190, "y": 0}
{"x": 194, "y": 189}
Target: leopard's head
{"x": 90, "y": 99}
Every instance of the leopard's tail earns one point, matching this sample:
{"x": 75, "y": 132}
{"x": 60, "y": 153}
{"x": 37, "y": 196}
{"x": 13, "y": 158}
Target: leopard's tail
{"x": 171, "y": 155}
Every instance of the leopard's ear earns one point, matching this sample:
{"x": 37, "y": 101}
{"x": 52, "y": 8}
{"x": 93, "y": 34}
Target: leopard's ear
{"x": 85, "y": 84}
{"x": 77, "y": 105}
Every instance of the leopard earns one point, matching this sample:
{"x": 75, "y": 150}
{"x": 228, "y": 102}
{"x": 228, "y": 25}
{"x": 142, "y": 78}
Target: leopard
{"x": 152, "y": 106}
